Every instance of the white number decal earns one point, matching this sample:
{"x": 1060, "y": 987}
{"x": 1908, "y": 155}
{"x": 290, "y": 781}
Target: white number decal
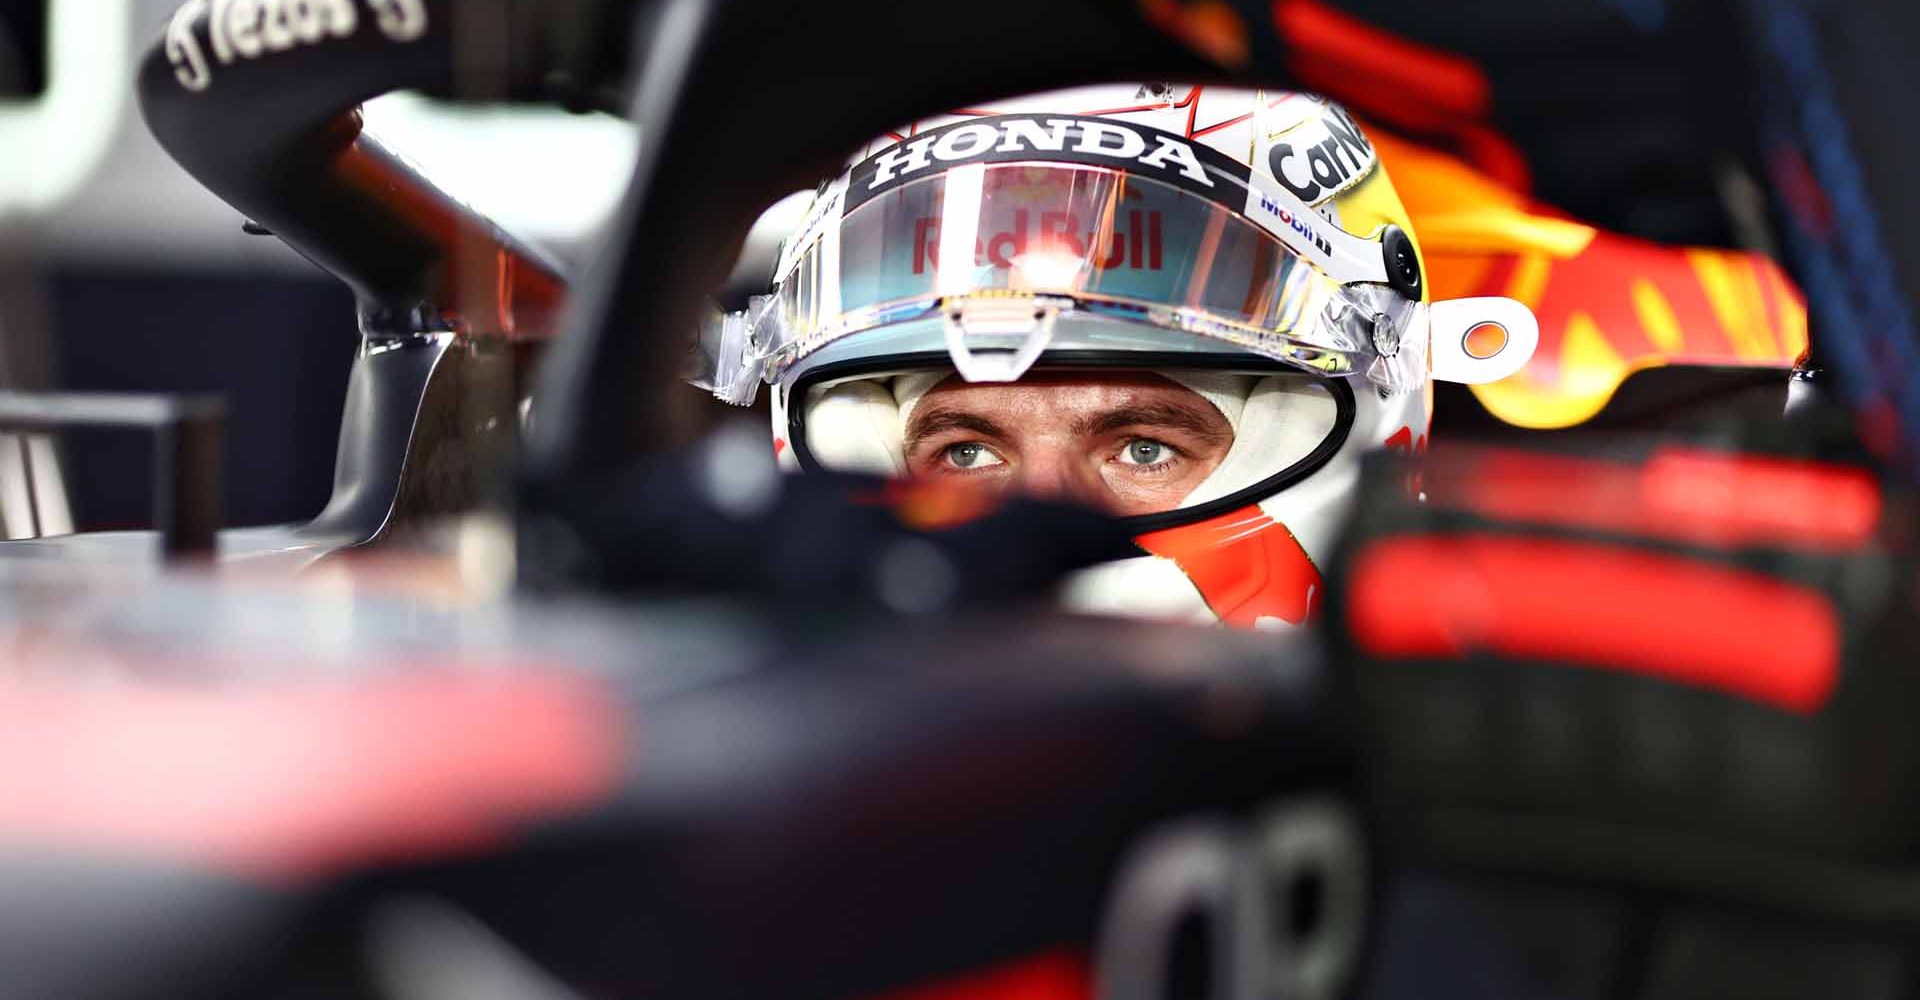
{"x": 183, "y": 49}
{"x": 400, "y": 20}
{"x": 1236, "y": 879}
{"x": 241, "y": 22}
{"x": 274, "y": 31}
{"x": 307, "y": 20}
{"x": 341, "y": 16}
{"x": 249, "y": 29}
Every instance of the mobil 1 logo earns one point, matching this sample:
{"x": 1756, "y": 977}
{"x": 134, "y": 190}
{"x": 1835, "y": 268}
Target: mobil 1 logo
{"x": 1056, "y": 138}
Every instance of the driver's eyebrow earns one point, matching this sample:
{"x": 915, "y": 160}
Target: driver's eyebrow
{"x": 1152, "y": 414}
{"x": 934, "y": 420}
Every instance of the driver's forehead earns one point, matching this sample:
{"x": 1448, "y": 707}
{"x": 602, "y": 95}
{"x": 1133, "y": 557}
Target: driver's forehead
{"x": 1059, "y": 394}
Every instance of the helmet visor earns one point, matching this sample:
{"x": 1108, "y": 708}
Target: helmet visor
{"x": 1090, "y": 238}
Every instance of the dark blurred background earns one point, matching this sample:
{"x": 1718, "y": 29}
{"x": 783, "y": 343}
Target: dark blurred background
{"x": 1630, "y": 113}
{"x": 123, "y": 275}
{"x": 276, "y": 344}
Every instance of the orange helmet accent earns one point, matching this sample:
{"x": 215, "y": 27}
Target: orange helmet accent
{"x": 1246, "y": 565}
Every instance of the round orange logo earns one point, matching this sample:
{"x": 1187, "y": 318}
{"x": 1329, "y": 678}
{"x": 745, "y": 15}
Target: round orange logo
{"x": 1484, "y": 340}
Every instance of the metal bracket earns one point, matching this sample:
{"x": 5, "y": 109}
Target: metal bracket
{"x": 186, "y": 452}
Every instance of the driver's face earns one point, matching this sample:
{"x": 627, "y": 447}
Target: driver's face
{"x": 1128, "y": 443}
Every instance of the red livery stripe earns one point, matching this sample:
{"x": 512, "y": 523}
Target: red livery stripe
{"x": 293, "y": 782}
{"x": 1680, "y": 494}
{"x": 1663, "y": 616}
{"x": 1053, "y": 975}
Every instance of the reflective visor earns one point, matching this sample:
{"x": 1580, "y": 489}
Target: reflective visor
{"x": 1084, "y": 238}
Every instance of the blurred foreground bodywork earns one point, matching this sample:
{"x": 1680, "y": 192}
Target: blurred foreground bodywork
{"x": 1468, "y": 789}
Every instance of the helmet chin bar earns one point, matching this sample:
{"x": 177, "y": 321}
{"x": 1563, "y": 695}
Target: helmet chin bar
{"x": 1029, "y": 317}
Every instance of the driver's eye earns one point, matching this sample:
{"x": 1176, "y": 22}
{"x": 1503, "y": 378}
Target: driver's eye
{"x": 971, "y": 455}
{"x": 1145, "y": 451}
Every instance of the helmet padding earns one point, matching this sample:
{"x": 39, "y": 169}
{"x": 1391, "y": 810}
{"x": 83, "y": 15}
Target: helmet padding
{"x": 855, "y": 427}
{"x": 1282, "y": 419}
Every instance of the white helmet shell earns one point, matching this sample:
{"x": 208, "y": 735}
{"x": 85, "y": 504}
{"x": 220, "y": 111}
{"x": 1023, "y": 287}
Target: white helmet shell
{"x": 1320, "y": 310}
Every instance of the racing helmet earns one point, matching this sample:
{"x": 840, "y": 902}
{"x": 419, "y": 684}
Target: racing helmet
{"x": 1244, "y": 244}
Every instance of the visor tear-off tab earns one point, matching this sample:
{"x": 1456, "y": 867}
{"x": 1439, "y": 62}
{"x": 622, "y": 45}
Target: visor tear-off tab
{"x": 1029, "y": 317}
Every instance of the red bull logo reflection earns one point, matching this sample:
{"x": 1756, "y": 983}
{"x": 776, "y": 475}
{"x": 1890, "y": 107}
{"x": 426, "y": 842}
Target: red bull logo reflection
{"x": 1135, "y": 242}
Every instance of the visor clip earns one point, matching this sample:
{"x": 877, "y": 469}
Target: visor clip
{"x": 1386, "y": 335}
